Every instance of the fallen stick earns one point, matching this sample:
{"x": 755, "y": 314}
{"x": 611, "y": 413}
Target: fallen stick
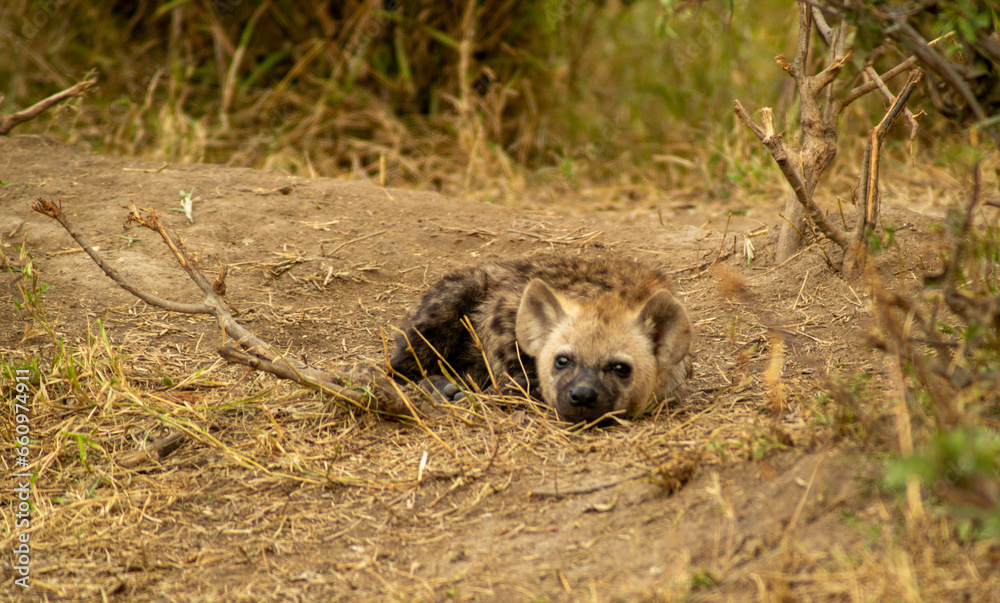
{"x": 154, "y": 451}
{"x": 369, "y": 388}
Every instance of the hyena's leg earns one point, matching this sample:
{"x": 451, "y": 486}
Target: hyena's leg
{"x": 442, "y": 387}
{"x": 435, "y": 333}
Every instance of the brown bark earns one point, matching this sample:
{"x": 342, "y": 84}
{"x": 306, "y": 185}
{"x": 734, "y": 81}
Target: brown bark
{"x": 819, "y": 111}
{"x": 791, "y": 172}
{"x": 868, "y": 194}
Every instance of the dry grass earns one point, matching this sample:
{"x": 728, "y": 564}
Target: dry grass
{"x": 255, "y": 475}
{"x": 501, "y": 105}
{"x": 277, "y": 494}
{"x": 473, "y": 101}
{"x": 264, "y": 469}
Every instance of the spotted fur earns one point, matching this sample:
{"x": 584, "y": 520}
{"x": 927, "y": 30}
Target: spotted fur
{"x": 568, "y": 329}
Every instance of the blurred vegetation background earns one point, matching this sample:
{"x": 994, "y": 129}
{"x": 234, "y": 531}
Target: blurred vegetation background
{"x": 487, "y": 98}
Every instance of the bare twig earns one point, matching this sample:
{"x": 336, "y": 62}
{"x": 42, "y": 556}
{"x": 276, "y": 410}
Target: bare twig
{"x": 822, "y": 27}
{"x": 910, "y": 117}
{"x": 46, "y": 207}
{"x": 8, "y": 122}
{"x": 867, "y": 87}
{"x": 872, "y": 84}
{"x": 790, "y": 171}
{"x": 905, "y": 33}
{"x": 312, "y": 378}
{"x": 721, "y": 243}
{"x": 355, "y": 240}
{"x": 826, "y": 76}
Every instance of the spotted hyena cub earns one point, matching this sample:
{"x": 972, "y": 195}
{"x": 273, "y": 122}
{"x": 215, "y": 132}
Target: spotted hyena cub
{"x": 593, "y": 336}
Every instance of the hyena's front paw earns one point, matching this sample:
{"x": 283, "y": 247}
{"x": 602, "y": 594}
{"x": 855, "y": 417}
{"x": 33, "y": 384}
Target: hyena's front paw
{"x": 441, "y": 389}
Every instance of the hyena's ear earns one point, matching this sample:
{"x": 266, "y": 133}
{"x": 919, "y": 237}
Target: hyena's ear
{"x": 540, "y": 311}
{"x": 666, "y": 322}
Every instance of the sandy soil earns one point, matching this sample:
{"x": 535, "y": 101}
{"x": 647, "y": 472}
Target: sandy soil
{"x": 743, "y": 490}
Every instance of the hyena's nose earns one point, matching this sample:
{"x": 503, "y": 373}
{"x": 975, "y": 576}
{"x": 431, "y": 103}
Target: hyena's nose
{"x": 583, "y": 395}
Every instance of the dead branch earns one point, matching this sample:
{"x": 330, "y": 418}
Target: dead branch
{"x": 867, "y": 87}
{"x": 868, "y": 194}
{"x": 875, "y": 139}
{"x": 7, "y": 123}
{"x": 368, "y": 388}
{"x": 308, "y": 377}
{"x": 778, "y": 151}
{"x": 863, "y": 89}
{"x": 910, "y": 117}
{"x": 822, "y": 27}
{"x": 824, "y": 78}
{"x": 154, "y": 451}
{"x": 945, "y": 69}
{"x": 819, "y": 111}
{"x": 46, "y": 207}
{"x": 896, "y": 25}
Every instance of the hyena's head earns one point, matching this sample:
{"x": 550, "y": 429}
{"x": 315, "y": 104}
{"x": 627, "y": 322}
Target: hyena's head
{"x": 603, "y": 355}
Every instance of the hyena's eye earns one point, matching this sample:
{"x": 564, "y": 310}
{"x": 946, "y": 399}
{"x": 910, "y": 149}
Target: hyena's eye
{"x": 621, "y": 369}
{"x": 562, "y": 361}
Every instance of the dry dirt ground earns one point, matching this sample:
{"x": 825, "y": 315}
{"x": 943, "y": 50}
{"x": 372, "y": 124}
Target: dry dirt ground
{"x": 745, "y": 490}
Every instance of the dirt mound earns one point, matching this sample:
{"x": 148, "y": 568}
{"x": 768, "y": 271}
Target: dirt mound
{"x": 279, "y": 495}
